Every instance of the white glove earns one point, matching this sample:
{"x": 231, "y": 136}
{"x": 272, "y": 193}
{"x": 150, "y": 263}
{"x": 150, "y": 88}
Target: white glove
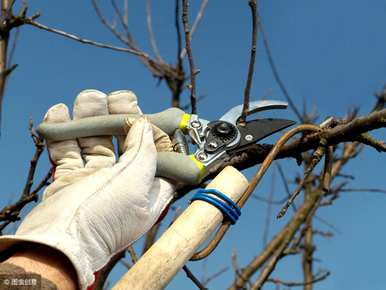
{"x": 96, "y": 206}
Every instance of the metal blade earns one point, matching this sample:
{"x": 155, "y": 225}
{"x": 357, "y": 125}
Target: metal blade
{"x": 257, "y": 106}
{"x": 256, "y": 130}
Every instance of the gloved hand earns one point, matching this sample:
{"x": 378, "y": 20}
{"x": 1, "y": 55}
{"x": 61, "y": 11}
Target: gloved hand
{"x": 98, "y": 205}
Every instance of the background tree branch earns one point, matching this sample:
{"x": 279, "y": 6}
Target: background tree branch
{"x": 346, "y": 136}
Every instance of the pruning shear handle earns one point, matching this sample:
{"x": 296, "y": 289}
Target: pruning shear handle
{"x": 214, "y": 140}
{"x": 168, "y": 121}
{"x": 181, "y": 168}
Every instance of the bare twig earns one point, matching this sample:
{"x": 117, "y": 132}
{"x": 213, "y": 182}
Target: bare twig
{"x": 102, "y": 275}
{"x": 11, "y": 213}
{"x": 112, "y": 27}
{"x": 343, "y": 175}
{"x": 196, "y": 23}
{"x": 312, "y": 201}
{"x": 84, "y": 40}
{"x": 374, "y": 190}
{"x": 126, "y": 13}
{"x": 13, "y": 48}
{"x": 178, "y": 29}
{"x": 151, "y": 235}
{"x": 269, "y": 267}
{"x": 275, "y": 71}
{"x": 191, "y": 276}
{"x": 153, "y": 41}
{"x": 269, "y": 209}
{"x": 327, "y": 224}
{"x": 122, "y": 18}
{"x": 323, "y": 234}
{"x": 173, "y": 75}
{"x": 177, "y": 86}
{"x": 285, "y": 183}
{"x": 310, "y": 205}
{"x": 318, "y": 153}
{"x": 308, "y": 250}
{"x": 185, "y": 21}
{"x": 267, "y": 200}
{"x": 366, "y": 139}
{"x": 158, "y": 69}
{"x": 235, "y": 264}
{"x": 214, "y": 276}
{"x": 274, "y": 250}
{"x": 125, "y": 263}
{"x": 132, "y": 254}
{"x": 187, "y": 106}
{"x": 247, "y": 90}
{"x": 5, "y": 29}
{"x": 7, "y": 6}
{"x": 316, "y": 278}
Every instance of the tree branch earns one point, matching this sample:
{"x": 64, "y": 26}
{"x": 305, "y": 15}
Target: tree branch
{"x": 315, "y": 279}
{"x": 150, "y": 237}
{"x": 374, "y": 190}
{"x": 247, "y": 90}
{"x": 191, "y": 276}
{"x": 276, "y": 72}
{"x": 11, "y": 213}
{"x": 269, "y": 209}
{"x": 274, "y": 250}
{"x": 308, "y": 248}
{"x": 83, "y": 40}
{"x": 347, "y": 132}
{"x": 153, "y": 41}
{"x": 5, "y": 30}
{"x": 366, "y": 139}
{"x": 195, "y": 25}
{"x": 214, "y": 276}
{"x": 193, "y": 72}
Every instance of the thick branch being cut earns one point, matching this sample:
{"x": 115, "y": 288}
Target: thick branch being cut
{"x": 255, "y": 154}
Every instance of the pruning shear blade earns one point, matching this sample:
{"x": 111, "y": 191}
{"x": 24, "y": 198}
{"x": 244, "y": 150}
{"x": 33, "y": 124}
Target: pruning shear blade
{"x": 256, "y": 106}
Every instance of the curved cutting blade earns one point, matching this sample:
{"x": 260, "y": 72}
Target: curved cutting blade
{"x": 257, "y": 106}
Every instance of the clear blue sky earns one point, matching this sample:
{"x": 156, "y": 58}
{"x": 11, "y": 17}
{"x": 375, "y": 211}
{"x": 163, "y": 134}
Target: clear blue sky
{"x": 331, "y": 55}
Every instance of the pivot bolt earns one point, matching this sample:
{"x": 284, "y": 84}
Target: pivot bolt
{"x": 248, "y": 137}
{"x": 202, "y": 156}
{"x": 224, "y": 128}
{"x": 212, "y": 145}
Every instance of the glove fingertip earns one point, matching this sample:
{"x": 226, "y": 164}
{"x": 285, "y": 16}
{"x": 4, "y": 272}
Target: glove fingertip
{"x": 140, "y": 135}
{"x": 90, "y": 103}
{"x": 57, "y": 114}
{"x": 123, "y": 102}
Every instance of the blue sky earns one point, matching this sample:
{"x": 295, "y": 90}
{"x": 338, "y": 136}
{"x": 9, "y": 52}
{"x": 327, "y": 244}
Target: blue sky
{"x": 330, "y": 54}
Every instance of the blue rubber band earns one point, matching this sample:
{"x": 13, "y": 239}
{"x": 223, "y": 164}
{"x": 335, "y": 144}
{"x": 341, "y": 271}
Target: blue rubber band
{"x": 227, "y": 212}
{"x": 228, "y": 207}
{"x": 223, "y": 197}
{"x": 225, "y": 209}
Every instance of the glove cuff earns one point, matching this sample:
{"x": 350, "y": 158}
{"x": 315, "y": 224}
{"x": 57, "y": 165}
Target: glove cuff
{"x": 77, "y": 257}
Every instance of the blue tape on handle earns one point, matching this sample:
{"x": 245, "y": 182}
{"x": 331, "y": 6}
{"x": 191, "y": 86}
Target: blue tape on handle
{"x": 223, "y": 197}
{"x": 223, "y": 207}
{"x": 230, "y": 210}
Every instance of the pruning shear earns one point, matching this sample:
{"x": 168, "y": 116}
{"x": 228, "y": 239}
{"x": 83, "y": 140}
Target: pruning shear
{"x": 215, "y": 140}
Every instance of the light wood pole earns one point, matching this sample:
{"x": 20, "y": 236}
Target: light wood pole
{"x": 165, "y": 258}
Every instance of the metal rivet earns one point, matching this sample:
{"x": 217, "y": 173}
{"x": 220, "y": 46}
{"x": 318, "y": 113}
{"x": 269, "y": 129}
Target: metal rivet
{"x": 248, "y": 137}
{"x": 196, "y": 124}
{"x": 202, "y": 156}
{"x": 213, "y": 145}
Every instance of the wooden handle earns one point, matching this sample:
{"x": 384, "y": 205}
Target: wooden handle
{"x": 165, "y": 258}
